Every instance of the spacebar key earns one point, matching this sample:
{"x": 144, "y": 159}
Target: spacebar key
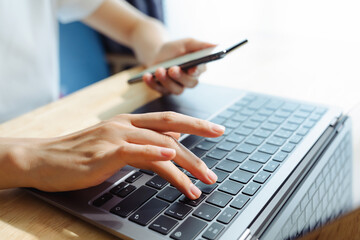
{"x": 189, "y": 229}
{"x": 133, "y": 201}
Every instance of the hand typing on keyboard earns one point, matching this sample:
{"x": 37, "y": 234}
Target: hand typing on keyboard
{"x": 88, "y": 157}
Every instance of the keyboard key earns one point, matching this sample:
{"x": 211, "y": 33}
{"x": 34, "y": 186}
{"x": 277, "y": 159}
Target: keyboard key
{"x": 290, "y": 107}
{"x": 251, "y": 189}
{"x": 226, "y": 146}
{"x": 189, "y": 229}
{"x": 126, "y": 191}
{"x": 254, "y": 140}
{"x": 221, "y": 175}
{"x": 213, "y": 231}
{"x": 296, "y": 120}
{"x": 241, "y": 176}
{"x": 163, "y": 224}
{"x": 247, "y": 112}
{"x": 243, "y": 131}
{"x": 256, "y": 104}
{"x": 246, "y": 148}
{"x": 226, "y": 114}
{"x": 280, "y": 156}
{"x": 251, "y": 166}
{"x": 215, "y": 140}
{"x": 265, "y": 112}
{"x": 271, "y": 166}
{"x": 227, "y": 215}
{"x": 210, "y": 163}
{"x": 206, "y": 188}
{"x": 302, "y": 131}
{"x": 169, "y": 194}
{"x": 283, "y": 133}
{"x": 227, "y": 131}
{"x": 219, "y": 199}
{"x": 191, "y": 140}
{"x": 188, "y": 174}
{"x": 115, "y": 190}
{"x": 231, "y": 124}
{"x": 235, "y": 138}
{"x": 148, "y": 172}
{"x": 258, "y": 118}
{"x": 218, "y": 120}
{"x": 288, "y": 147}
{"x": 205, "y": 145}
{"x": 295, "y": 139}
{"x": 133, "y": 201}
{"x": 227, "y": 166}
{"x": 230, "y": 187}
{"x": 309, "y": 124}
{"x": 157, "y": 182}
{"x": 193, "y": 203}
{"x": 238, "y": 117}
{"x": 134, "y": 177}
{"x": 251, "y": 124}
{"x": 237, "y": 156}
{"x": 235, "y": 108}
{"x": 240, "y": 201}
{"x": 198, "y": 152}
{"x": 262, "y": 133}
{"x": 277, "y": 141}
{"x": 274, "y": 104}
{"x": 148, "y": 212}
{"x": 260, "y": 157}
{"x": 269, "y": 126}
{"x": 290, "y": 126}
{"x": 206, "y": 212}
{"x": 102, "y": 199}
{"x": 178, "y": 210}
{"x": 301, "y": 114}
{"x": 261, "y": 177}
{"x": 217, "y": 154}
{"x": 267, "y": 148}
{"x": 276, "y": 120}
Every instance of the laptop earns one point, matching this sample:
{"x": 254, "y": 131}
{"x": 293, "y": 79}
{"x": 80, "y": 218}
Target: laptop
{"x": 283, "y": 167}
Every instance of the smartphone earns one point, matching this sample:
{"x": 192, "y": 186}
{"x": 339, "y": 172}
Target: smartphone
{"x": 190, "y": 60}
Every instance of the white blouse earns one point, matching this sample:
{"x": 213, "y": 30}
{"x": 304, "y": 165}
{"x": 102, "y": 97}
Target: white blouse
{"x": 29, "y": 64}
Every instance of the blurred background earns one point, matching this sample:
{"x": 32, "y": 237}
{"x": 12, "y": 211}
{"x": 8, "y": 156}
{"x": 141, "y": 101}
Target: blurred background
{"x": 308, "y": 50}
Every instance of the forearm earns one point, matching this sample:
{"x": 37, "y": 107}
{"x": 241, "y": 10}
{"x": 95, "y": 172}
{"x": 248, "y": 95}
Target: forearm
{"x": 123, "y": 23}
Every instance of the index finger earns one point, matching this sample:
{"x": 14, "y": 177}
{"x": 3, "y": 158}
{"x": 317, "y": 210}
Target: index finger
{"x": 176, "y": 122}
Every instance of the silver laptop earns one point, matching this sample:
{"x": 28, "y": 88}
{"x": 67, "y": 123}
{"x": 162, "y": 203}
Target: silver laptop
{"x": 283, "y": 166}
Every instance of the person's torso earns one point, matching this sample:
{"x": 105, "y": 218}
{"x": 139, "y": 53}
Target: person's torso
{"x": 28, "y": 56}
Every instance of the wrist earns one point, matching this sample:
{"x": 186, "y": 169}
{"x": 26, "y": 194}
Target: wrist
{"x": 15, "y": 160}
{"x": 148, "y": 38}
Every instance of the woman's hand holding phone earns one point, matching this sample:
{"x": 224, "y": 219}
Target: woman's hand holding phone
{"x": 174, "y": 80}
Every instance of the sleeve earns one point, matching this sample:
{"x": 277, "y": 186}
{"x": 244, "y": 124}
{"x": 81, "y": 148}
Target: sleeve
{"x": 73, "y": 10}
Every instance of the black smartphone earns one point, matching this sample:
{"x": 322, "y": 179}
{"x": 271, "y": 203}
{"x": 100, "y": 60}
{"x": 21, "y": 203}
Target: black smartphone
{"x": 190, "y": 60}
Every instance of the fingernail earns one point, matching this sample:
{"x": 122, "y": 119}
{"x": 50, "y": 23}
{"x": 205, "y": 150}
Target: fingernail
{"x": 167, "y": 152}
{"x": 176, "y": 71}
{"x": 218, "y": 128}
{"x": 195, "y": 191}
{"x": 212, "y": 176}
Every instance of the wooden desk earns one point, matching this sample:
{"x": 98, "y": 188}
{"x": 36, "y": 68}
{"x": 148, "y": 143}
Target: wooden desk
{"x": 23, "y": 216}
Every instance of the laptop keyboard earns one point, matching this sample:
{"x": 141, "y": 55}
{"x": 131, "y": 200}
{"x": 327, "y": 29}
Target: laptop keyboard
{"x": 260, "y": 134}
